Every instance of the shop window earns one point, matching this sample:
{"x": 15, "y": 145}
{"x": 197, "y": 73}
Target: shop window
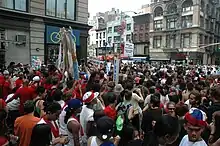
{"x": 20, "y": 5}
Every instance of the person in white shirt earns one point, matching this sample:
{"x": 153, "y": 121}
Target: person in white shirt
{"x": 86, "y": 115}
{"x": 195, "y": 125}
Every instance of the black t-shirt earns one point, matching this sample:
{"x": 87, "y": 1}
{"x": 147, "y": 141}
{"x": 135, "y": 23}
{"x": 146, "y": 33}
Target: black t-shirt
{"x": 149, "y": 116}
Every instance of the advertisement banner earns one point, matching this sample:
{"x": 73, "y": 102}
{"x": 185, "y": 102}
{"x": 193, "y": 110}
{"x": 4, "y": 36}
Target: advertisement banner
{"x": 128, "y": 49}
{"x": 116, "y": 70}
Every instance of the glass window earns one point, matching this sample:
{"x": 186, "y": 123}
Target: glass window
{"x": 8, "y": 4}
{"x": 116, "y": 38}
{"x": 128, "y": 38}
{"x": 14, "y": 4}
{"x": 116, "y": 28}
{"x": 171, "y": 23}
{"x": 61, "y": 8}
{"x": 20, "y": 5}
{"x": 158, "y": 25}
{"x": 157, "y": 41}
{"x": 170, "y": 41}
{"x": 128, "y": 26}
{"x": 109, "y": 39}
{"x": 71, "y": 9}
{"x": 186, "y": 40}
{"x": 51, "y": 7}
{"x": 103, "y": 34}
{"x": 97, "y": 35}
{"x": 187, "y": 21}
{"x": 109, "y": 29}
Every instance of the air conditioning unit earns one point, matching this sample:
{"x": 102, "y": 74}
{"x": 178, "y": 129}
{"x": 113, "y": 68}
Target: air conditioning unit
{"x": 20, "y": 39}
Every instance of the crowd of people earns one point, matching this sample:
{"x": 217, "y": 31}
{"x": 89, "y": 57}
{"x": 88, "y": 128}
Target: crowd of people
{"x": 151, "y": 105}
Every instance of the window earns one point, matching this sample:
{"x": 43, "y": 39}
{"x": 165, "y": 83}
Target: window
{"x": 128, "y": 38}
{"x": 146, "y": 36}
{"x": 171, "y": 23}
{"x": 157, "y": 40}
{"x": 100, "y": 35}
{"x": 187, "y": 5}
{"x": 186, "y": 40}
{"x": 103, "y": 34}
{"x": 116, "y": 28}
{"x": 158, "y": 25}
{"x": 136, "y": 27}
{"x": 116, "y": 38}
{"x": 103, "y": 42}
{"x": 135, "y": 37}
{"x": 170, "y": 41}
{"x": 110, "y": 30}
{"x": 100, "y": 43}
{"x": 142, "y": 27}
{"x": 201, "y": 21}
{"x": 97, "y": 35}
{"x": 147, "y": 27}
{"x": 109, "y": 39}
{"x": 20, "y": 5}
{"x": 128, "y": 27}
{"x": 97, "y": 43}
{"x": 61, "y": 8}
{"x": 201, "y": 39}
{"x": 141, "y": 37}
{"x": 187, "y": 21}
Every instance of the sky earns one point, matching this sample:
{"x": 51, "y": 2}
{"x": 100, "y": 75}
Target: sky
{"x": 106, "y": 5}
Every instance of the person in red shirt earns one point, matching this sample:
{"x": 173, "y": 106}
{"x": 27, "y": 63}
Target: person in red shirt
{"x": 19, "y": 81}
{"x": 24, "y": 93}
{"x": 110, "y": 110}
{"x": 5, "y": 84}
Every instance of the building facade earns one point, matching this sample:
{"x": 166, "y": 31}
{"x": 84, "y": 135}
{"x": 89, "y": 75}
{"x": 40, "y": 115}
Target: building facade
{"x": 179, "y": 28}
{"x": 30, "y": 28}
{"x": 115, "y": 34}
{"x": 141, "y": 37}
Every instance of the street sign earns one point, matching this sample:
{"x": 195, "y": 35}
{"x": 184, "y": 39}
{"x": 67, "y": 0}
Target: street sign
{"x": 116, "y": 70}
{"x": 128, "y": 49}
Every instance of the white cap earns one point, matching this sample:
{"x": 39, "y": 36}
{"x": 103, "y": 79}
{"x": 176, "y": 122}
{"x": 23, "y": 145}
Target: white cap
{"x": 6, "y": 72}
{"x": 36, "y": 79}
{"x": 90, "y": 96}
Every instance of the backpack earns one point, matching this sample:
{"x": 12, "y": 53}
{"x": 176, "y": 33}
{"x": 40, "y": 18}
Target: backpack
{"x": 122, "y": 118}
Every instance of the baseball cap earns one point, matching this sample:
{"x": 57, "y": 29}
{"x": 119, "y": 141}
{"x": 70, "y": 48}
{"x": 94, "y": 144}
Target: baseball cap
{"x": 105, "y": 127}
{"x": 74, "y": 104}
{"x": 196, "y": 117}
{"x": 36, "y": 78}
{"x": 90, "y": 96}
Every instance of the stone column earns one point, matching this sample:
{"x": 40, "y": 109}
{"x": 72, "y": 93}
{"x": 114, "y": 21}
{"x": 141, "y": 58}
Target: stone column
{"x": 196, "y": 13}
{"x": 37, "y": 30}
{"x": 205, "y": 59}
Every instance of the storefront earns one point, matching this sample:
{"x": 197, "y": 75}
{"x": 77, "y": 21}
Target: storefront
{"x": 52, "y": 44}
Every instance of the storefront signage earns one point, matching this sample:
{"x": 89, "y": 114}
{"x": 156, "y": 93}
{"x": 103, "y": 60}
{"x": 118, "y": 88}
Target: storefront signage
{"x": 53, "y": 35}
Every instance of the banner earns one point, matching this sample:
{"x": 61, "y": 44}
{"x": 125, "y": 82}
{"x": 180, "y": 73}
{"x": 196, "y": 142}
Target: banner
{"x": 116, "y": 70}
{"x": 35, "y": 62}
{"x": 128, "y": 50}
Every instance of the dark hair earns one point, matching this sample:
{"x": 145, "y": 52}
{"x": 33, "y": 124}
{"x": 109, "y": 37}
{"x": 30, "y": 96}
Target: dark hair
{"x": 152, "y": 90}
{"x": 155, "y": 100}
{"x": 57, "y": 95}
{"x": 169, "y": 124}
{"x": 41, "y": 135}
{"x": 128, "y": 95}
{"x": 190, "y": 86}
{"x": 40, "y": 90}
{"x": 111, "y": 98}
{"x": 69, "y": 113}
{"x": 51, "y": 107}
{"x": 181, "y": 109}
{"x": 215, "y": 92}
{"x": 29, "y": 106}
